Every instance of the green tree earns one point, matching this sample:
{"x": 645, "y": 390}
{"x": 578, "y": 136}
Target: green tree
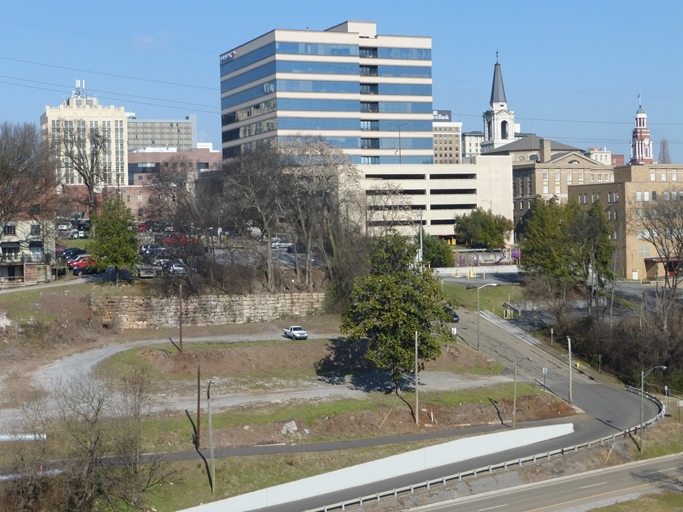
{"x": 387, "y": 306}
{"x": 114, "y": 240}
{"x": 483, "y": 229}
{"x": 436, "y": 252}
{"x": 564, "y": 247}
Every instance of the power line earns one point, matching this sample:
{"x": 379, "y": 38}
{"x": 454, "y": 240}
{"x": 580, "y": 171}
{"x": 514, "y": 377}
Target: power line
{"x": 110, "y": 74}
{"x": 111, "y": 38}
{"x": 100, "y": 91}
{"x": 119, "y": 99}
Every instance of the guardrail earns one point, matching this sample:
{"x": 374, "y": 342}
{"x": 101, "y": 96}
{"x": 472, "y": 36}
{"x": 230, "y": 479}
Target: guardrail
{"x": 410, "y": 489}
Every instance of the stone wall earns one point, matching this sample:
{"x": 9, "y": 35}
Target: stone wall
{"x": 150, "y": 312}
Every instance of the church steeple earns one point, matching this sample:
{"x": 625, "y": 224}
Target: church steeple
{"x": 641, "y": 141}
{"x": 499, "y": 122}
{"x": 498, "y": 89}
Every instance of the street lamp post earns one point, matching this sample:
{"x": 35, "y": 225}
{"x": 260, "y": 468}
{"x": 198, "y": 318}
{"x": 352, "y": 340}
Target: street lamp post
{"x": 479, "y": 308}
{"x": 213, "y": 466}
{"x": 514, "y": 399}
{"x": 644, "y": 374}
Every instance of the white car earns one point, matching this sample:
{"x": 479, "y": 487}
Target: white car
{"x": 295, "y": 332}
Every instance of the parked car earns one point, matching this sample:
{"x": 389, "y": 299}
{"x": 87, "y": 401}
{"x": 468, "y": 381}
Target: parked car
{"x": 295, "y": 332}
{"x": 81, "y": 257}
{"x": 74, "y": 235}
{"x": 453, "y": 316}
{"x": 59, "y": 250}
{"x": 177, "y": 268}
{"x": 299, "y": 248}
{"x": 144, "y": 248}
{"x": 71, "y": 252}
{"x": 85, "y": 266}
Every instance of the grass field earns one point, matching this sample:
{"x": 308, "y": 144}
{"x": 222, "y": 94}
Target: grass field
{"x": 491, "y": 298}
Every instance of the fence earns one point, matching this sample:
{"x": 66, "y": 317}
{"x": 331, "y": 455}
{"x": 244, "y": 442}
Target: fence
{"x": 443, "y": 481}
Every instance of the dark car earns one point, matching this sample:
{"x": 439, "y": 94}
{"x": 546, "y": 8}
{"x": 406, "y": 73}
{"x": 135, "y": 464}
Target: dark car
{"x": 300, "y": 248}
{"x": 454, "y": 318}
{"x": 71, "y": 252}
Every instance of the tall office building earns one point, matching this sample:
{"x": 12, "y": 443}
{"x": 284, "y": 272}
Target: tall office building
{"x": 84, "y": 113}
{"x": 369, "y": 94}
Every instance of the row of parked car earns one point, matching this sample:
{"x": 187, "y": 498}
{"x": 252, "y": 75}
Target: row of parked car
{"x": 157, "y": 256}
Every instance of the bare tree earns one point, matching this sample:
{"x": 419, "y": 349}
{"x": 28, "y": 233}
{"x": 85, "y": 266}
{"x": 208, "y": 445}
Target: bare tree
{"x": 252, "y": 188}
{"x": 319, "y": 179}
{"x": 386, "y": 208}
{"x": 81, "y": 150}
{"x": 660, "y": 222}
{"x": 664, "y": 157}
{"x": 26, "y": 174}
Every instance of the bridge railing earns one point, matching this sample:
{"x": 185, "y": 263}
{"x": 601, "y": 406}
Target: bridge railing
{"x": 531, "y": 459}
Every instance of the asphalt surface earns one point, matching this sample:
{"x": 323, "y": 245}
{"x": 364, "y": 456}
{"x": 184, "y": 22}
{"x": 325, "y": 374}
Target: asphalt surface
{"x": 578, "y": 492}
{"x": 606, "y": 409}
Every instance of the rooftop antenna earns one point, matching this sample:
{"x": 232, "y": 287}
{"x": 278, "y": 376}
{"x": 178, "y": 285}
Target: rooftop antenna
{"x": 496, "y": 55}
{"x": 640, "y": 103}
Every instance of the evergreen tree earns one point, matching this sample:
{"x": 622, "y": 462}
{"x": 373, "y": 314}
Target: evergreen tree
{"x": 483, "y": 229}
{"x": 387, "y": 306}
{"x": 114, "y": 242}
{"x": 436, "y": 252}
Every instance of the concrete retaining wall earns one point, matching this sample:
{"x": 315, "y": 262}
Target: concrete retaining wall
{"x": 479, "y": 271}
{"x": 390, "y": 467}
{"x": 149, "y": 312}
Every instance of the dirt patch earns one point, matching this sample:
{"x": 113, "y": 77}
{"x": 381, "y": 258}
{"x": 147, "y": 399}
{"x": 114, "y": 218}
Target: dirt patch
{"x": 388, "y": 421}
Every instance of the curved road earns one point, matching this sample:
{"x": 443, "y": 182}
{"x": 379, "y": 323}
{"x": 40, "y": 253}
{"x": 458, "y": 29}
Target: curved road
{"x": 607, "y": 408}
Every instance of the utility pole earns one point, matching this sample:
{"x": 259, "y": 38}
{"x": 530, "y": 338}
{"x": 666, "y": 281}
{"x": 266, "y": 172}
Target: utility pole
{"x": 198, "y": 404}
{"x": 417, "y": 400}
{"x": 569, "y": 343}
{"x": 180, "y": 319}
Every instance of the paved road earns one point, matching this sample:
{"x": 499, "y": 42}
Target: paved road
{"x": 583, "y": 491}
{"x": 607, "y": 409}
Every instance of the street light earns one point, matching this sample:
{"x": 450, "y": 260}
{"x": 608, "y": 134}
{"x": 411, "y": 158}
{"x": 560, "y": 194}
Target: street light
{"x": 400, "y": 159}
{"x": 644, "y": 374}
{"x": 514, "y": 400}
{"x": 213, "y": 466}
{"x": 478, "y": 307}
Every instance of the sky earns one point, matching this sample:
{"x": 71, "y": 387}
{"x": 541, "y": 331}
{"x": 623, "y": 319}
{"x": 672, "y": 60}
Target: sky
{"x": 572, "y": 70}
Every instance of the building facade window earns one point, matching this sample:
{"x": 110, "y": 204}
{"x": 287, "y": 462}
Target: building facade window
{"x": 639, "y": 196}
{"x": 35, "y": 229}
{"x": 10, "y": 230}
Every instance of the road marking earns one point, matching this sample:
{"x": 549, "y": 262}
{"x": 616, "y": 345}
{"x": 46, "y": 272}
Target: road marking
{"x": 593, "y": 485}
{"x": 492, "y": 508}
{"x": 593, "y": 497}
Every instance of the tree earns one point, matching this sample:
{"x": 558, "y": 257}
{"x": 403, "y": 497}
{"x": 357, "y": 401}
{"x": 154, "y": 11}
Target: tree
{"x": 80, "y": 149}
{"x": 252, "y": 189}
{"x": 660, "y": 223}
{"x": 95, "y": 428}
{"x": 319, "y": 179}
{"x": 114, "y": 240}
{"x": 563, "y": 247}
{"x": 592, "y": 247}
{"x": 664, "y": 157}
{"x": 483, "y": 229}
{"x": 393, "y": 302}
{"x": 437, "y": 252}
{"x": 546, "y": 258}
{"x": 26, "y": 174}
